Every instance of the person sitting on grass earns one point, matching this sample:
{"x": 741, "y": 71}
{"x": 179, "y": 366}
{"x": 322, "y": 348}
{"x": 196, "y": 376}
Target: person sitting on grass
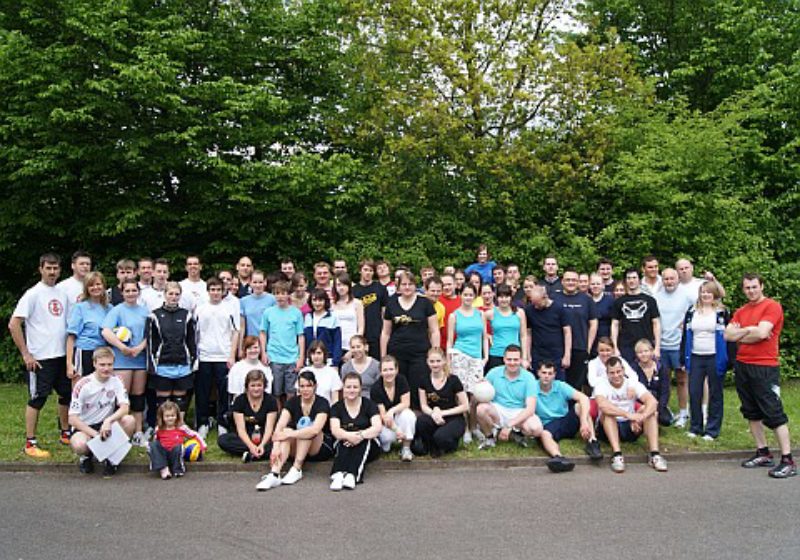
{"x": 620, "y": 421}
{"x": 254, "y": 415}
{"x": 560, "y": 419}
{"x": 98, "y": 400}
{"x": 512, "y": 412}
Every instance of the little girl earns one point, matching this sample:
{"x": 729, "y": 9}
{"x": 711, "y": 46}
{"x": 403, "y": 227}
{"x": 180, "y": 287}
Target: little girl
{"x": 328, "y": 381}
{"x": 166, "y": 449}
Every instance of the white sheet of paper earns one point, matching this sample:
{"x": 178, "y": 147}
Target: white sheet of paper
{"x": 117, "y": 456}
{"x": 104, "y": 449}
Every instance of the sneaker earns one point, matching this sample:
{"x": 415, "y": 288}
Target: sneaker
{"x": 680, "y": 421}
{"x": 593, "y": 450}
{"x": 246, "y": 458}
{"x": 467, "y": 437}
{"x": 487, "y": 443}
{"x": 85, "y": 464}
{"x": 478, "y": 435}
{"x": 691, "y": 435}
{"x": 349, "y": 481}
{"x": 269, "y": 481}
{"x": 709, "y": 438}
{"x": 559, "y": 464}
{"x": 785, "y": 469}
{"x": 148, "y": 434}
{"x": 292, "y": 476}
{"x": 110, "y": 469}
{"x": 221, "y": 430}
{"x": 165, "y": 474}
{"x": 33, "y": 450}
{"x": 658, "y": 463}
{"x": 65, "y": 436}
{"x": 618, "y": 464}
{"x": 179, "y": 474}
{"x": 202, "y": 431}
{"x": 138, "y": 440}
{"x": 519, "y": 438}
{"x": 758, "y": 460}
{"x": 406, "y": 455}
{"x": 337, "y": 481}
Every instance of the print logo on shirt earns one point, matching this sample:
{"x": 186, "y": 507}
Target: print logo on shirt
{"x": 55, "y": 308}
{"x": 404, "y": 320}
{"x": 634, "y": 310}
{"x": 432, "y": 397}
{"x": 369, "y": 299}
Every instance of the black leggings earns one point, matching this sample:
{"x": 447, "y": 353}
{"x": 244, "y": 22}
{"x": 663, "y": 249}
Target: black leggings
{"x": 414, "y": 367}
{"x": 233, "y": 444}
{"x": 440, "y": 439}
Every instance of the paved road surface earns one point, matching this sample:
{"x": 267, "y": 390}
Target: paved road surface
{"x": 697, "y": 510}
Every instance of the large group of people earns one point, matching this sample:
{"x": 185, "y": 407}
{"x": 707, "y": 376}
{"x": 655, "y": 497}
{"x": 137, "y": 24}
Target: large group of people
{"x": 290, "y": 369}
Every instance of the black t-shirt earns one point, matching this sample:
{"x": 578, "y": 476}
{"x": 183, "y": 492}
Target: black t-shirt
{"x": 547, "y": 330}
{"x": 446, "y": 397}
{"x": 295, "y": 409}
{"x": 379, "y": 396}
{"x": 579, "y": 310}
{"x": 409, "y": 327}
{"x": 252, "y": 417}
{"x": 635, "y": 314}
{"x": 363, "y": 419}
{"x": 373, "y": 297}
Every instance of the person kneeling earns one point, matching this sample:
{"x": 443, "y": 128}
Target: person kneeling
{"x": 301, "y": 433}
{"x": 616, "y": 398}
{"x": 561, "y": 420}
{"x": 512, "y": 412}
{"x": 98, "y": 400}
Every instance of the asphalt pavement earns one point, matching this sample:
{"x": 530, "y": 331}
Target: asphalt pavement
{"x": 713, "y": 509}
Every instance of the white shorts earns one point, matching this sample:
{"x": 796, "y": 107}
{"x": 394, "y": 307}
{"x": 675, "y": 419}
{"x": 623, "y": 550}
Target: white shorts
{"x": 506, "y": 414}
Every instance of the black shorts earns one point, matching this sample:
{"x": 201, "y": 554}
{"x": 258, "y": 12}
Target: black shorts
{"x": 625, "y": 432}
{"x": 52, "y": 375}
{"x": 325, "y": 452}
{"x": 169, "y": 384}
{"x": 82, "y": 361}
{"x": 565, "y": 427}
{"x": 759, "y": 391}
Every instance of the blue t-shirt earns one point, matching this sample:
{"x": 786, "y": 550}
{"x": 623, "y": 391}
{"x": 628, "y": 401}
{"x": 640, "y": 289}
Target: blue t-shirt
{"x": 485, "y": 270}
{"x": 133, "y": 317}
{"x": 86, "y": 323}
{"x": 673, "y": 307}
{"x": 511, "y": 393}
{"x": 547, "y": 331}
{"x": 505, "y": 331}
{"x": 579, "y": 310}
{"x": 252, "y": 309}
{"x": 469, "y": 334}
{"x": 283, "y": 326}
{"x": 555, "y": 403}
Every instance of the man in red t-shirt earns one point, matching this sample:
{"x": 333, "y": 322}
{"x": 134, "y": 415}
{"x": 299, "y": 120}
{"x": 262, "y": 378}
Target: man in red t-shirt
{"x": 756, "y": 328}
{"x": 450, "y": 300}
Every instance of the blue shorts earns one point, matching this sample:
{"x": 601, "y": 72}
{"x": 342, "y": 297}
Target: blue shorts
{"x": 565, "y": 427}
{"x": 671, "y": 359}
{"x": 625, "y": 432}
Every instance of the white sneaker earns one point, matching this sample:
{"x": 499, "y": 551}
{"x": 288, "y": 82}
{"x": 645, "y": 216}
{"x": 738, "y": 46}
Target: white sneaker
{"x": 681, "y": 420}
{"x": 349, "y": 481}
{"x": 203, "y": 431}
{"x": 467, "y": 437}
{"x": 221, "y": 430}
{"x": 658, "y": 463}
{"x": 292, "y": 476}
{"x": 691, "y": 435}
{"x": 148, "y": 434}
{"x": 708, "y": 438}
{"x": 406, "y": 455}
{"x": 268, "y": 481}
{"x": 618, "y": 464}
{"x": 337, "y": 481}
{"x": 477, "y": 435}
{"x": 138, "y": 440}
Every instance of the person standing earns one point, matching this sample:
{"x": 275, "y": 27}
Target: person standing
{"x": 244, "y": 271}
{"x": 374, "y": 297}
{"x": 635, "y": 316}
{"x": 193, "y": 288}
{"x": 549, "y": 332}
{"x": 581, "y": 315}
{"x": 756, "y": 328}
{"x": 551, "y": 281}
{"x": 73, "y": 286}
{"x": 43, "y": 348}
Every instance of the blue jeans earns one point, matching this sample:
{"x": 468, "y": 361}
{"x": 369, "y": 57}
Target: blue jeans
{"x": 700, "y": 369}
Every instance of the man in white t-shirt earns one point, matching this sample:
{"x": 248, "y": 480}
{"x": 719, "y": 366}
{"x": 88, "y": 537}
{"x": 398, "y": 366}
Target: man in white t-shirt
{"x": 98, "y": 400}
{"x": 193, "y": 287}
{"x": 144, "y": 270}
{"x": 621, "y": 421}
{"x": 217, "y": 343}
{"x": 43, "y": 346}
{"x": 73, "y": 286}
{"x": 689, "y": 283}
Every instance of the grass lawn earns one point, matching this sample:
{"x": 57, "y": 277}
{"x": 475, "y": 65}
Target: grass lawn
{"x": 735, "y": 435}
